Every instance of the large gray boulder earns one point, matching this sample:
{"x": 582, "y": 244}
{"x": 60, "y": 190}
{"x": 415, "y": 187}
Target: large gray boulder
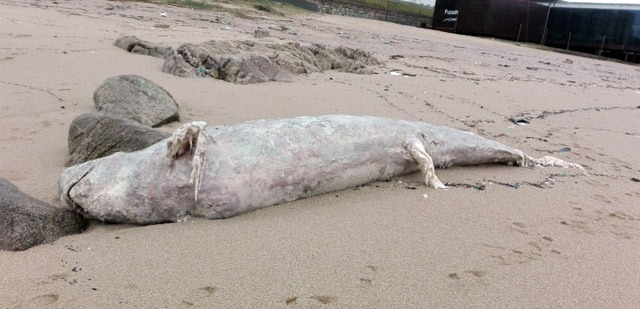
{"x": 134, "y": 45}
{"x": 26, "y": 222}
{"x": 136, "y": 98}
{"x": 95, "y": 135}
{"x": 246, "y": 62}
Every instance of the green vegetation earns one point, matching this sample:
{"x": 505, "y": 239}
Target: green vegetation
{"x": 272, "y": 7}
{"x": 279, "y": 8}
{"x": 394, "y": 6}
{"x": 195, "y": 4}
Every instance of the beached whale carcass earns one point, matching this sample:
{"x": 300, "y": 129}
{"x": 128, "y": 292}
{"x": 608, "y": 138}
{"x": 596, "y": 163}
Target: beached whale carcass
{"x": 221, "y": 171}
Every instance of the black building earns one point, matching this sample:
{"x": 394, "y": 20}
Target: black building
{"x": 611, "y": 30}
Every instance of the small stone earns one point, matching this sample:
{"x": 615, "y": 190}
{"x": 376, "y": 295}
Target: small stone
{"x": 261, "y": 33}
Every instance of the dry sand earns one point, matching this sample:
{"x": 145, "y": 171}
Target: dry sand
{"x": 574, "y": 244}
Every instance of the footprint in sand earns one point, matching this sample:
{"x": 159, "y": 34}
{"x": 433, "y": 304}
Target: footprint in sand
{"x": 536, "y": 248}
{"x": 197, "y": 296}
{"x": 596, "y": 183}
{"x": 291, "y": 300}
{"x": 67, "y": 277}
{"x": 311, "y": 301}
{"x": 618, "y": 223}
{"x": 632, "y": 194}
{"x": 602, "y": 198}
{"x": 620, "y": 215}
{"x": 323, "y": 299}
{"x": 476, "y": 273}
{"x": 622, "y": 225}
{"x": 519, "y": 227}
{"x": 539, "y": 246}
{"x": 471, "y": 273}
{"x": 43, "y": 300}
{"x": 579, "y": 226}
{"x": 368, "y": 275}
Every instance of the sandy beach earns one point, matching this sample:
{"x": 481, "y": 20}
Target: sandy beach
{"x": 570, "y": 244}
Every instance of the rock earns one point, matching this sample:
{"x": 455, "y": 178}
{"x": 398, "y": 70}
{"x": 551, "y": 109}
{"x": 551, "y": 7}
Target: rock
{"x": 247, "y": 62}
{"x": 134, "y": 45}
{"x": 261, "y": 33}
{"x": 288, "y": 30}
{"x": 285, "y": 29}
{"x": 26, "y": 222}
{"x": 95, "y": 135}
{"x": 136, "y": 98}
{"x": 258, "y": 68}
{"x": 178, "y": 66}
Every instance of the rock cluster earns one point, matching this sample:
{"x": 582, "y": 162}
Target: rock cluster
{"x": 247, "y": 62}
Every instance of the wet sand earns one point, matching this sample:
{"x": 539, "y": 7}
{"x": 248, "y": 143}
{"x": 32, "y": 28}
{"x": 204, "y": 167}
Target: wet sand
{"x": 571, "y": 244}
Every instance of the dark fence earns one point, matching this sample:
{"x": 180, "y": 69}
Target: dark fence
{"x": 610, "y": 33}
{"x": 610, "y": 30}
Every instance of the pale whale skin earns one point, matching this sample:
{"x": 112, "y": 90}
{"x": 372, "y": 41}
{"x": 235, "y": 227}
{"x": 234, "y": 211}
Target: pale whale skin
{"x": 261, "y": 163}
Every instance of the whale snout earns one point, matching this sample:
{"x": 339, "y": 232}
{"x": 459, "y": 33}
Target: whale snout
{"x": 68, "y": 180}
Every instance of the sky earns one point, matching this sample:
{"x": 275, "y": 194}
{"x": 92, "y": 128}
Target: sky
{"x": 606, "y": 1}
{"x": 432, "y": 2}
